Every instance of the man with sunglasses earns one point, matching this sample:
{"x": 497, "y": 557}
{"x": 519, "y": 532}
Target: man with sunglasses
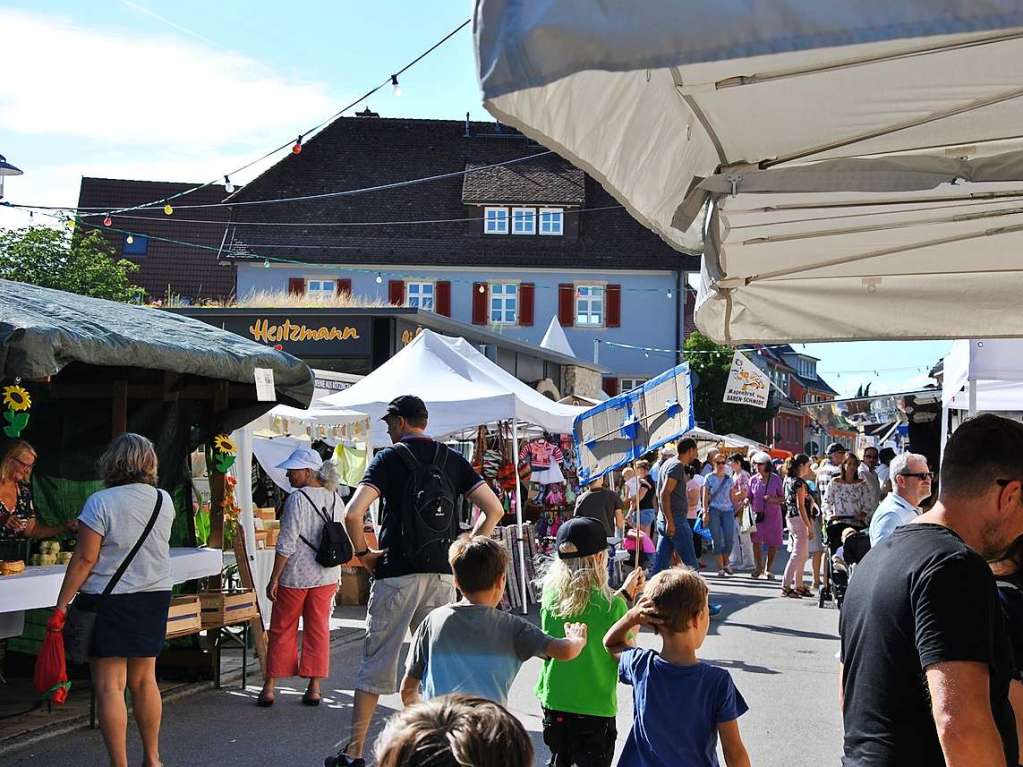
{"x": 926, "y": 659}
{"x": 912, "y": 480}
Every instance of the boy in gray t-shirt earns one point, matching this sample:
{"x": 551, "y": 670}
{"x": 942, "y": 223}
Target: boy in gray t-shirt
{"x": 472, "y": 647}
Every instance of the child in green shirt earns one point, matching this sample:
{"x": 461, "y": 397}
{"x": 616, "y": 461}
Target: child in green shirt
{"x": 580, "y": 697}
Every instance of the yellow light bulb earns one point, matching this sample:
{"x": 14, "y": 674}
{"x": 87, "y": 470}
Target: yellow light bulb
{"x": 168, "y": 209}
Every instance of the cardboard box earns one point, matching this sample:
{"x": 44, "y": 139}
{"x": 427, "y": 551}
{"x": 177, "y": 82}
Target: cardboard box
{"x": 184, "y": 616}
{"x": 265, "y": 512}
{"x": 354, "y": 586}
{"x": 226, "y": 608}
{"x": 262, "y": 536}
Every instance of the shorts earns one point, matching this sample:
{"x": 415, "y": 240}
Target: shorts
{"x": 397, "y": 605}
{"x": 579, "y": 739}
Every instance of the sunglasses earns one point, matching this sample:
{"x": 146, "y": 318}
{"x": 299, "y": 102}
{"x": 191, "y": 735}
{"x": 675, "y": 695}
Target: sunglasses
{"x": 719, "y": 463}
{"x": 25, "y": 466}
{"x": 928, "y": 475}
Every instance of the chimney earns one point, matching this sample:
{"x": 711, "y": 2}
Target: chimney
{"x": 367, "y": 112}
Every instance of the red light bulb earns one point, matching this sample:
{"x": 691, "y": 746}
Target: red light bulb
{"x": 108, "y": 221}
{"x": 297, "y": 148}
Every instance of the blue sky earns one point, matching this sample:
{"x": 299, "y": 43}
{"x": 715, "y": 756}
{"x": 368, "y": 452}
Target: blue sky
{"x": 190, "y": 90}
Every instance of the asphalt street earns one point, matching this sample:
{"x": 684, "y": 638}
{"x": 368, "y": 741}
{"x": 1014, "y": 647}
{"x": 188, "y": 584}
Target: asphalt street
{"x": 781, "y": 653}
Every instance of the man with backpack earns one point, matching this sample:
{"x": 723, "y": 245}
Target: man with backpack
{"x": 420, "y": 482}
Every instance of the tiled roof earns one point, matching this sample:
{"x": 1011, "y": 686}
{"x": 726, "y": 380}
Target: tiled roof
{"x": 185, "y": 261}
{"x": 546, "y": 180}
{"x": 359, "y": 152}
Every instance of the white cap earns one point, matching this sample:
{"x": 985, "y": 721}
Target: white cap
{"x": 760, "y": 457}
{"x": 302, "y": 458}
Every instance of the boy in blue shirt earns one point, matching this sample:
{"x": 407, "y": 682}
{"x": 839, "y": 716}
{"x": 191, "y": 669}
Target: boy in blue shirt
{"x": 680, "y": 704}
{"x": 470, "y": 646}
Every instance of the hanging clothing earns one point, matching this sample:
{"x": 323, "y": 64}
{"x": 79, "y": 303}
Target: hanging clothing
{"x": 352, "y": 462}
{"x": 540, "y": 453}
{"x": 549, "y": 476}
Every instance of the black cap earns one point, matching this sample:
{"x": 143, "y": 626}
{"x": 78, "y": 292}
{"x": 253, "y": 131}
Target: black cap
{"x": 836, "y": 447}
{"x": 408, "y": 406}
{"x": 586, "y": 535}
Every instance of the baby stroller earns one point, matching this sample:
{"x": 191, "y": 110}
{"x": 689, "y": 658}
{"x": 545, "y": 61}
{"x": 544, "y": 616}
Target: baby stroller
{"x": 847, "y": 544}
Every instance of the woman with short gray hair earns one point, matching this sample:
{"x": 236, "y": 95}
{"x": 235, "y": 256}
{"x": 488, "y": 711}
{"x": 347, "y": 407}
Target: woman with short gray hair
{"x": 131, "y": 515}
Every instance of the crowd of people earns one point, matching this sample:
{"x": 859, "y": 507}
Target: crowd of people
{"x": 930, "y": 628}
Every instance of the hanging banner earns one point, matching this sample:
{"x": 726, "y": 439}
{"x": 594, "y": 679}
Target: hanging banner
{"x": 747, "y": 384}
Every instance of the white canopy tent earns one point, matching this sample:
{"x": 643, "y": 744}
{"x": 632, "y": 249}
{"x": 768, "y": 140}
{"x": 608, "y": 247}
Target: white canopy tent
{"x": 981, "y": 376}
{"x": 462, "y": 389}
{"x": 849, "y": 154}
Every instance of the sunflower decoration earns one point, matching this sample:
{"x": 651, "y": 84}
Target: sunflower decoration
{"x": 17, "y": 402}
{"x": 224, "y": 452}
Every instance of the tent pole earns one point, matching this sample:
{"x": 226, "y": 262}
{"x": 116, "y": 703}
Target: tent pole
{"x": 518, "y": 513}
{"x": 973, "y": 397}
{"x": 945, "y": 413}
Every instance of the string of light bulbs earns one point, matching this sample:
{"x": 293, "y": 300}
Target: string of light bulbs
{"x": 296, "y": 144}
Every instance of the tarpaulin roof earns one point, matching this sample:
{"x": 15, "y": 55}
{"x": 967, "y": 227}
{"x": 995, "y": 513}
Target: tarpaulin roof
{"x": 828, "y": 135}
{"x": 995, "y": 367}
{"x": 462, "y": 389}
{"x": 42, "y": 330}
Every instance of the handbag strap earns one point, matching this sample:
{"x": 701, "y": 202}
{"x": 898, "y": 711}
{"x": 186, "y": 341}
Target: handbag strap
{"x": 719, "y": 488}
{"x": 138, "y": 545}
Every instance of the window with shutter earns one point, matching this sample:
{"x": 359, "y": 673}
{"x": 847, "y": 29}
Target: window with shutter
{"x": 611, "y": 387}
{"x": 344, "y": 286}
{"x": 613, "y": 309}
{"x": 504, "y": 303}
{"x": 442, "y": 298}
{"x": 296, "y": 286}
{"x": 527, "y": 291}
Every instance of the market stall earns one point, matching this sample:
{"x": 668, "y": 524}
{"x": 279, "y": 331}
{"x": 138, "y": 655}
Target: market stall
{"x": 980, "y": 375}
{"x": 78, "y": 371}
{"x": 463, "y": 390}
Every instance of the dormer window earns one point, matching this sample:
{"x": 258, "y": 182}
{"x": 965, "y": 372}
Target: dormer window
{"x": 523, "y": 220}
{"x": 552, "y": 221}
{"x": 495, "y": 220}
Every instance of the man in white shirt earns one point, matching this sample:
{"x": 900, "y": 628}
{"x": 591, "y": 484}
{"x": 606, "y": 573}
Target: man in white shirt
{"x": 868, "y": 473}
{"x": 911, "y": 484}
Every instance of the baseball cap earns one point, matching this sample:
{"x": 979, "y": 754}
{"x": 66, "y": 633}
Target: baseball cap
{"x": 836, "y": 447}
{"x": 582, "y": 536}
{"x": 760, "y": 457}
{"x": 302, "y": 458}
{"x": 407, "y": 406}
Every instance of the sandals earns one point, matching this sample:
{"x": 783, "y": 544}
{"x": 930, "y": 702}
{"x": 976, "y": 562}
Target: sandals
{"x": 309, "y": 700}
{"x": 791, "y": 593}
{"x": 804, "y": 592}
{"x": 264, "y": 702}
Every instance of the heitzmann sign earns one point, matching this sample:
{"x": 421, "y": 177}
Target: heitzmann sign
{"x": 304, "y": 335}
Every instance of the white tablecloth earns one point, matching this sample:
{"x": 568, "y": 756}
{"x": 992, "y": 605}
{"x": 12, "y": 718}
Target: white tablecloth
{"x": 40, "y": 586}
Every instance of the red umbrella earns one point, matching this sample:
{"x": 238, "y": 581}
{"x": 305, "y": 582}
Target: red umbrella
{"x": 51, "y": 668}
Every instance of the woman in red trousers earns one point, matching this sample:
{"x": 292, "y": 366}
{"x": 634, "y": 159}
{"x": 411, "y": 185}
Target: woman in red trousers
{"x": 299, "y": 587}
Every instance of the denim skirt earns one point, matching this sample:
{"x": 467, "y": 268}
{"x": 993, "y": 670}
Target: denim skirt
{"x": 128, "y": 625}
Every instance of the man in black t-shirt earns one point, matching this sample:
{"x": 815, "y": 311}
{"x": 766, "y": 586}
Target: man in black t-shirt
{"x": 602, "y": 504}
{"x": 401, "y": 596}
{"x": 926, "y": 660}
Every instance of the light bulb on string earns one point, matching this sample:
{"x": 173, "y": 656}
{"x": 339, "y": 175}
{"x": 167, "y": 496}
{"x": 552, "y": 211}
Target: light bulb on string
{"x": 108, "y": 221}
{"x": 380, "y": 278}
{"x": 71, "y": 224}
{"x": 129, "y": 239}
{"x": 297, "y": 147}
{"x": 31, "y": 215}
{"x": 228, "y": 186}
{"x": 646, "y": 354}
{"x": 266, "y": 263}
{"x": 481, "y": 289}
{"x": 168, "y": 210}
{"x": 395, "y": 86}
{"x": 669, "y": 292}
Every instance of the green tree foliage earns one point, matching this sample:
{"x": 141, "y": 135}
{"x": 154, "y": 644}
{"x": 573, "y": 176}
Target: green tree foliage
{"x": 82, "y": 263}
{"x": 710, "y": 362}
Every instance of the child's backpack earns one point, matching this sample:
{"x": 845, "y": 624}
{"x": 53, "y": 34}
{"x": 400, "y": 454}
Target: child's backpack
{"x": 429, "y": 514}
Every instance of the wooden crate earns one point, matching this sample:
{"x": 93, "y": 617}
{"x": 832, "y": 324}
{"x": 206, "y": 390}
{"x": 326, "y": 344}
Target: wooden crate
{"x": 184, "y": 616}
{"x": 224, "y": 608}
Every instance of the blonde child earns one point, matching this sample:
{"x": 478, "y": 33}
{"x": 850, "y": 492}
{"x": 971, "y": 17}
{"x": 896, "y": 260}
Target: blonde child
{"x": 579, "y": 698}
{"x": 681, "y": 706}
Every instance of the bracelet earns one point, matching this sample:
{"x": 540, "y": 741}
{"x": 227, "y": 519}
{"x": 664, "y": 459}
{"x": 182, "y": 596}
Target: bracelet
{"x": 362, "y": 553}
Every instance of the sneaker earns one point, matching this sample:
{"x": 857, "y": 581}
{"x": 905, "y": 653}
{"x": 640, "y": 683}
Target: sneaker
{"x": 772, "y": 577}
{"x": 729, "y": 571}
{"x": 755, "y": 574}
{"x": 721, "y": 573}
{"x": 715, "y": 609}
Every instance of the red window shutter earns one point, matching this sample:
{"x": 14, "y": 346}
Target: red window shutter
{"x": 613, "y": 310}
{"x": 396, "y": 292}
{"x": 296, "y": 286}
{"x": 526, "y": 291}
{"x": 344, "y": 286}
{"x": 480, "y": 298}
{"x": 442, "y": 298}
{"x": 612, "y": 386}
{"x": 566, "y": 304}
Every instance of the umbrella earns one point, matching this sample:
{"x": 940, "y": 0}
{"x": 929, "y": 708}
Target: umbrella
{"x": 50, "y": 678}
{"x": 832, "y": 160}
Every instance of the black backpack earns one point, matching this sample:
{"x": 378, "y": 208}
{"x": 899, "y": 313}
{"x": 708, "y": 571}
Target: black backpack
{"x": 335, "y": 546}
{"x": 429, "y": 513}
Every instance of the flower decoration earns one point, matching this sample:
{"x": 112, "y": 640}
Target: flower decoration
{"x": 224, "y": 452}
{"x": 17, "y": 401}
